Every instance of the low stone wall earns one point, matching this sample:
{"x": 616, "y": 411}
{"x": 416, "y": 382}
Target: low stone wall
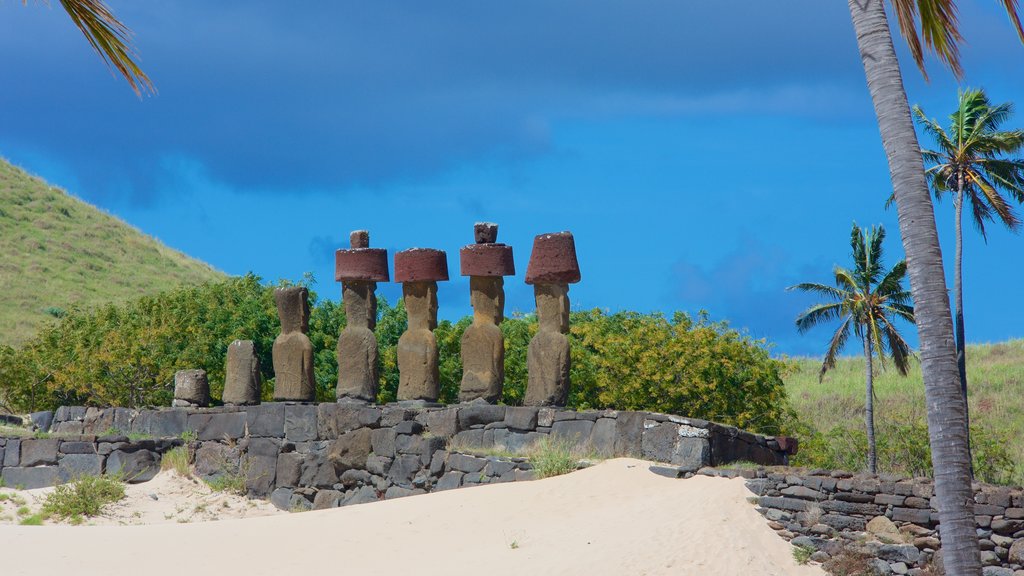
{"x": 833, "y": 511}
{"x": 322, "y": 455}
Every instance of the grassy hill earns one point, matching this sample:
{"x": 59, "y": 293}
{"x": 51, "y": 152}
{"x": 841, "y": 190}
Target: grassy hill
{"x": 57, "y": 252}
{"x": 995, "y": 374}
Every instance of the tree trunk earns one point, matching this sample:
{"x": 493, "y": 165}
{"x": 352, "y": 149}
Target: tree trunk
{"x": 958, "y": 298}
{"x": 869, "y": 403}
{"x": 946, "y": 423}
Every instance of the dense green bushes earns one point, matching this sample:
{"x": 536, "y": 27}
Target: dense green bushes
{"x": 127, "y": 354}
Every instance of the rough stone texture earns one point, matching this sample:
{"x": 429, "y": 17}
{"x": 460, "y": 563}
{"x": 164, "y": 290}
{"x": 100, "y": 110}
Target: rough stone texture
{"x": 293, "y": 352}
{"x": 418, "y": 377}
{"x": 548, "y": 352}
{"x": 74, "y": 466}
{"x": 351, "y": 450}
{"x": 421, "y": 265}
{"x": 357, "y": 345}
{"x": 38, "y": 451}
{"x": 300, "y": 423}
{"x": 191, "y": 388}
{"x": 360, "y": 262}
{"x": 242, "y": 381}
{"x": 483, "y": 346}
{"x": 30, "y": 478}
{"x": 217, "y": 426}
{"x": 134, "y": 467}
{"x": 486, "y": 260}
{"x": 553, "y": 260}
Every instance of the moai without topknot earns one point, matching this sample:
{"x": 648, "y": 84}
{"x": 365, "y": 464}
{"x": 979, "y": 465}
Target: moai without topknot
{"x": 293, "y": 352}
{"x": 419, "y": 270}
{"x": 359, "y": 269}
{"x": 242, "y": 381}
{"x": 552, "y": 268}
{"x": 483, "y": 346}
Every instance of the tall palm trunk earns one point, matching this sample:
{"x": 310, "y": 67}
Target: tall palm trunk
{"x": 958, "y": 298}
{"x": 869, "y": 404}
{"x": 946, "y": 424}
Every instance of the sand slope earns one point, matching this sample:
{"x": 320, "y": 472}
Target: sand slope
{"x": 613, "y": 519}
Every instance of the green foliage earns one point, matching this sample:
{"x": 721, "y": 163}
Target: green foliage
{"x": 552, "y": 457}
{"x": 831, "y": 415}
{"x": 86, "y": 497}
{"x": 126, "y": 355}
{"x": 179, "y": 460}
{"x": 61, "y": 253}
{"x": 802, "y": 554}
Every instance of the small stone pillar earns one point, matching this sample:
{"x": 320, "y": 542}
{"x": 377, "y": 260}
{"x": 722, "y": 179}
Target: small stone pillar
{"x": 552, "y": 268}
{"x": 359, "y": 269}
{"x": 418, "y": 270}
{"x": 293, "y": 352}
{"x": 242, "y": 382}
{"x": 483, "y": 346}
{"x": 191, "y": 389}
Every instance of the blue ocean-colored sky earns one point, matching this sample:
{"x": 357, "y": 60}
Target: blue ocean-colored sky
{"x": 705, "y": 154}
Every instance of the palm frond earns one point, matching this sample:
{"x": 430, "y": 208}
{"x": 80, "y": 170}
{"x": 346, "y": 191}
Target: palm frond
{"x": 1013, "y": 11}
{"x": 900, "y": 310}
{"x": 892, "y": 283}
{"x": 1006, "y": 174}
{"x": 817, "y": 314}
{"x": 933, "y": 128}
{"x": 993, "y": 200}
{"x": 820, "y": 289}
{"x": 835, "y": 345}
{"x": 898, "y": 348}
{"x": 940, "y": 30}
{"x": 110, "y": 38}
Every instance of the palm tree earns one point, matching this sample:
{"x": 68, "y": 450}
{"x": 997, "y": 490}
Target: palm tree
{"x": 110, "y": 38}
{"x": 865, "y": 301}
{"x": 970, "y": 164}
{"x": 947, "y": 431}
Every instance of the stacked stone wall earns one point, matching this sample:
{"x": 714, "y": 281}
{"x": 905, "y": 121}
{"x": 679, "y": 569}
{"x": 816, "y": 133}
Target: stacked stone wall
{"x": 321, "y": 455}
{"x": 891, "y": 519}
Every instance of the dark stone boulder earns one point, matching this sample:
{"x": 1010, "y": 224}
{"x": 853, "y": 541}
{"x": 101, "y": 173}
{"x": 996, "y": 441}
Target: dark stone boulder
{"x": 31, "y": 478}
{"x": 218, "y": 426}
{"x": 300, "y": 423}
{"x": 265, "y": 420}
{"x": 350, "y": 450}
{"x": 134, "y": 467}
{"x": 38, "y": 451}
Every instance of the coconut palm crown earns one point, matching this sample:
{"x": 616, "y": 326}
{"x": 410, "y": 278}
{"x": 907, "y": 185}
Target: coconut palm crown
{"x": 865, "y": 300}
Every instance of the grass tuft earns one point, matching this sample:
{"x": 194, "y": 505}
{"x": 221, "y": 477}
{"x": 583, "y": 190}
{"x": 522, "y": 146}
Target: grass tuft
{"x": 177, "y": 460}
{"x": 802, "y": 554}
{"x": 85, "y": 497}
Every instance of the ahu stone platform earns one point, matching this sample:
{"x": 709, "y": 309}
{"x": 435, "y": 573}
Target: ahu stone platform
{"x": 322, "y": 455}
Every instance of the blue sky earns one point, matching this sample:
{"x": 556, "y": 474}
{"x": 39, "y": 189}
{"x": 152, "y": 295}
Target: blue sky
{"x": 705, "y": 155}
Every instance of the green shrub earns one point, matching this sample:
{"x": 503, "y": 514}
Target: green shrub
{"x": 552, "y": 457}
{"x": 802, "y": 554}
{"x": 86, "y": 497}
{"x": 177, "y": 459}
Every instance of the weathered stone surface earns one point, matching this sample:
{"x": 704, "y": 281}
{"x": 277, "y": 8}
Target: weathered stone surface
{"x": 482, "y": 345}
{"x": 629, "y": 428}
{"x": 12, "y": 453}
{"x": 363, "y": 495}
{"x": 889, "y": 499}
{"x": 553, "y": 260}
{"x": 73, "y": 447}
{"x": 281, "y": 498}
{"x": 217, "y": 426}
{"x": 466, "y": 463}
{"x": 784, "y": 503}
{"x": 576, "y": 431}
{"x": 260, "y": 474}
{"x": 421, "y": 265}
{"x": 300, "y": 423}
{"x": 914, "y": 515}
{"x": 134, "y": 467}
{"x": 691, "y": 453}
{"x": 360, "y": 262}
{"x": 74, "y": 466}
{"x": 443, "y": 423}
{"x": 418, "y": 377}
{"x": 548, "y": 353}
{"x": 802, "y": 492}
{"x": 449, "y": 481}
{"x": 404, "y": 469}
{"x": 382, "y": 442}
{"x": 487, "y": 260}
{"x": 659, "y": 442}
{"x": 841, "y": 522}
{"x": 242, "y": 381}
{"x": 479, "y": 414}
{"x": 521, "y": 417}
{"x": 265, "y": 420}
{"x": 30, "y": 478}
{"x": 42, "y": 420}
{"x": 884, "y": 530}
{"x": 288, "y": 469}
{"x": 191, "y": 388}
{"x": 357, "y": 345}
{"x": 327, "y": 499}
{"x": 1016, "y": 554}
{"x": 213, "y": 459}
{"x": 38, "y": 451}
{"x": 162, "y": 424}
{"x": 351, "y": 450}
{"x": 602, "y": 437}
{"x": 293, "y": 352}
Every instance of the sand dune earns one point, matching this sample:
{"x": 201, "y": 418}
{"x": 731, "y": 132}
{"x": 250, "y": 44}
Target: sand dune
{"x": 616, "y": 518}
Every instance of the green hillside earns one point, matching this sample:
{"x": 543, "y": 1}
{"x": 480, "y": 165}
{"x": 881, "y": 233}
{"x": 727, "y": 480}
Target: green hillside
{"x": 995, "y": 374}
{"x": 57, "y": 252}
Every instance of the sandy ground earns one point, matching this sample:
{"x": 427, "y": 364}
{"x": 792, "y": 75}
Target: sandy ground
{"x": 614, "y": 519}
{"x": 167, "y": 498}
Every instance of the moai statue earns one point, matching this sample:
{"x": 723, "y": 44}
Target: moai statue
{"x": 191, "y": 389}
{"x": 483, "y": 346}
{"x": 552, "y": 268}
{"x": 359, "y": 269}
{"x": 242, "y": 381}
{"x": 418, "y": 270}
{"x": 293, "y": 352}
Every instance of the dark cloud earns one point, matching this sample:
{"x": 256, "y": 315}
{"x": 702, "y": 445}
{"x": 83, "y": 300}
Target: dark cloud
{"x": 337, "y": 95}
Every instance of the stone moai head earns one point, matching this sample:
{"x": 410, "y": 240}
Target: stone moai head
{"x": 552, "y": 268}
{"x": 419, "y": 270}
{"x": 293, "y": 309}
{"x": 359, "y": 269}
{"x": 485, "y": 262}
